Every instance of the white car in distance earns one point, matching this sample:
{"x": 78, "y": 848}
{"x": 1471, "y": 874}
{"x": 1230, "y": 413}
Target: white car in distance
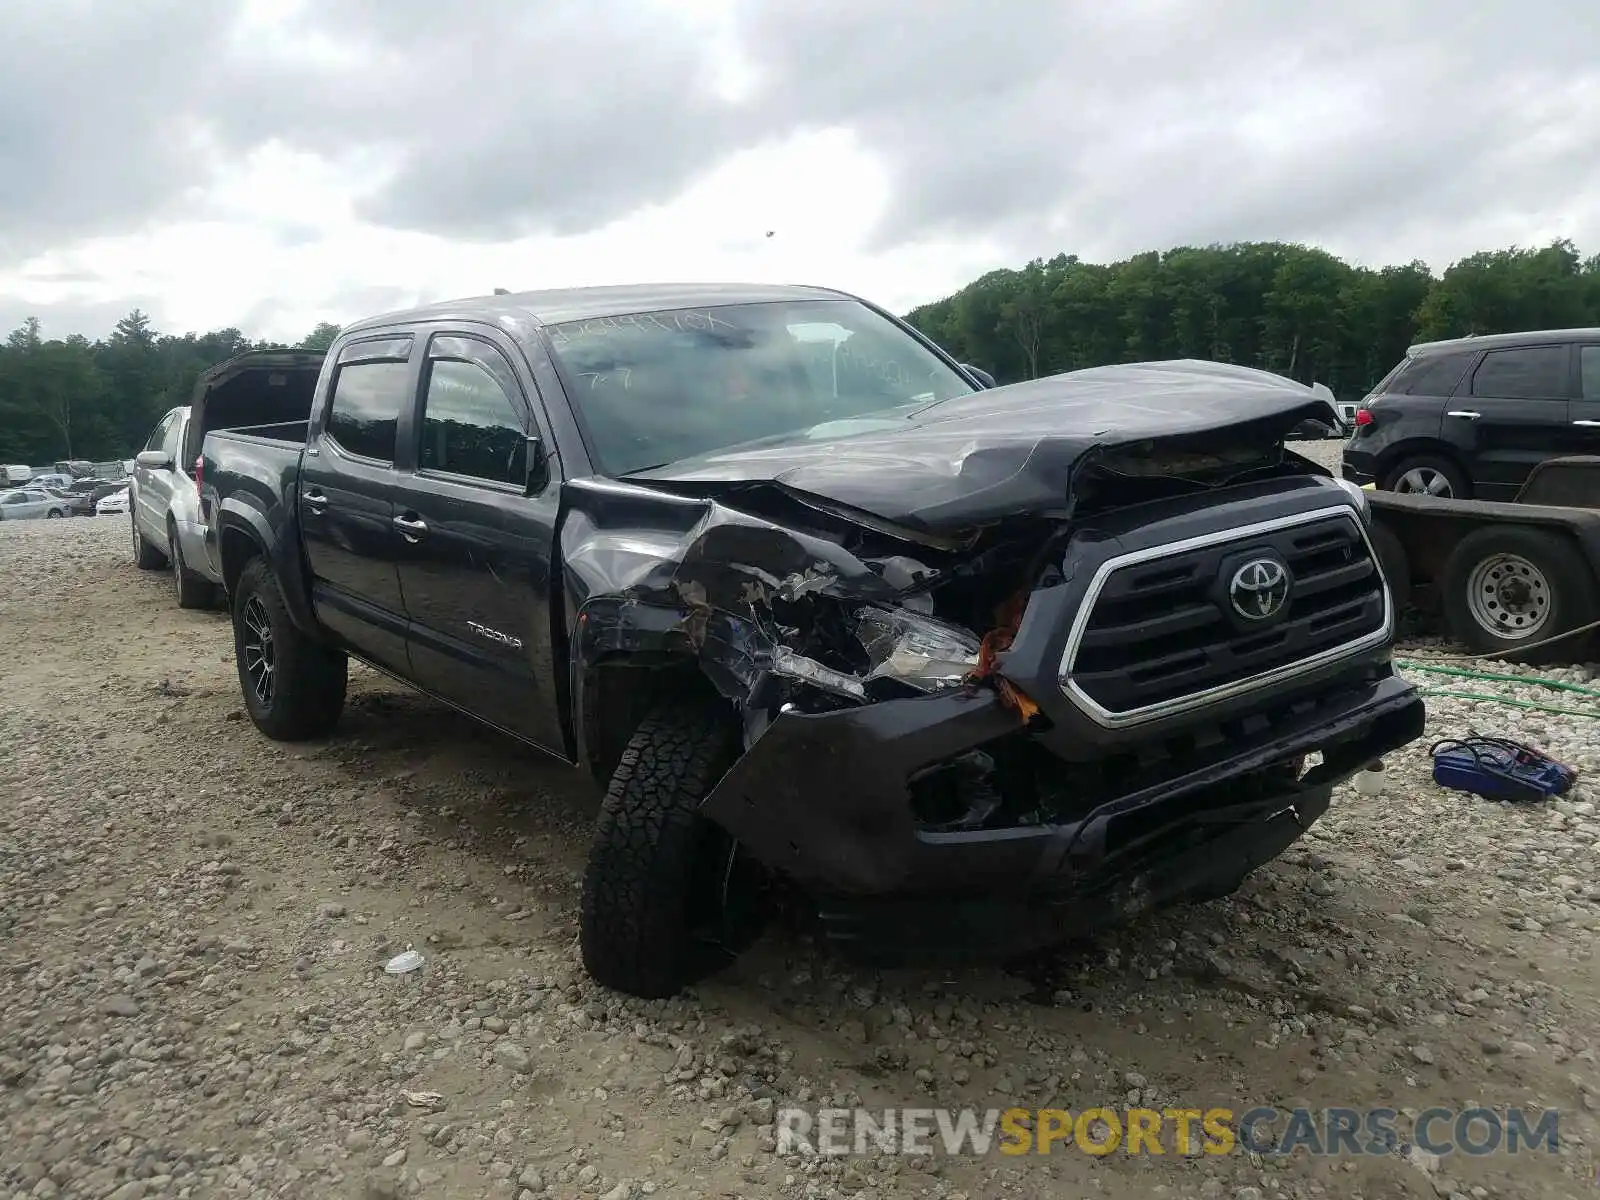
{"x": 114, "y": 504}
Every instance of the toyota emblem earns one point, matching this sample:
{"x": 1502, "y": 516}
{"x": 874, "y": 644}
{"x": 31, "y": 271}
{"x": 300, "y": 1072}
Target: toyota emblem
{"x": 1259, "y": 589}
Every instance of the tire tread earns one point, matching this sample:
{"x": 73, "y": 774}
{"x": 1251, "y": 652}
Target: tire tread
{"x": 635, "y": 937}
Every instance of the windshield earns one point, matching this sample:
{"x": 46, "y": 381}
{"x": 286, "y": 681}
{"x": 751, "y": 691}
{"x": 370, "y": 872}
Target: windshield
{"x": 656, "y": 388}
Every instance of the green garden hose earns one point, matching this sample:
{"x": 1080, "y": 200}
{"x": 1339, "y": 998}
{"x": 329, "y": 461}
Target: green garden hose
{"x": 1410, "y": 664}
{"x": 1537, "y": 707}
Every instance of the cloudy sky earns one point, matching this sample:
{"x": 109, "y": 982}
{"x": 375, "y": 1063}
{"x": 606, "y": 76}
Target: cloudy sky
{"x": 272, "y": 163}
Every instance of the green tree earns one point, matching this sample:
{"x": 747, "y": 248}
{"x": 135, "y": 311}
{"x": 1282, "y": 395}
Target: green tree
{"x": 1292, "y": 309}
{"x": 320, "y": 338}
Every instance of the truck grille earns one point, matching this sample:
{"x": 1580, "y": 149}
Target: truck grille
{"x": 1171, "y": 628}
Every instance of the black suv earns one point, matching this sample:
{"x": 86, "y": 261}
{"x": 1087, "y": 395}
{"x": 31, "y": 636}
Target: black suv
{"x": 1470, "y": 418}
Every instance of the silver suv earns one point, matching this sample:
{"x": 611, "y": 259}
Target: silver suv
{"x": 166, "y": 514}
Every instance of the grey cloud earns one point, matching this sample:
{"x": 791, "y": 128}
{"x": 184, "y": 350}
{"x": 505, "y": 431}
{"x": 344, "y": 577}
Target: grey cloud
{"x": 506, "y": 118}
{"x": 1384, "y": 131}
{"x": 93, "y": 99}
{"x": 1107, "y": 128}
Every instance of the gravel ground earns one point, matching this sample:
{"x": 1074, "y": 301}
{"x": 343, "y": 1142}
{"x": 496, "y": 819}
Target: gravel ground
{"x": 193, "y": 922}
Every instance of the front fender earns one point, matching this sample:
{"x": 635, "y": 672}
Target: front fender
{"x": 626, "y": 633}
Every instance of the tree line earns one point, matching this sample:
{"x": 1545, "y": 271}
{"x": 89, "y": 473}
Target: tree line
{"x": 69, "y": 397}
{"x": 1288, "y": 308}
{"x": 1291, "y": 309}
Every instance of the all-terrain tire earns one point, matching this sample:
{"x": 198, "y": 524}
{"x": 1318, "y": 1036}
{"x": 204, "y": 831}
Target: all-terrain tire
{"x": 194, "y": 591}
{"x": 656, "y": 861}
{"x": 1562, "y": 581}
{"x": 306, "y": 679}
{"x": 145, "y": 556}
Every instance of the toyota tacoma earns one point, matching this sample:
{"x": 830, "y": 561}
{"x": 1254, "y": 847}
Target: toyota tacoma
{"x": 972, "y": 670}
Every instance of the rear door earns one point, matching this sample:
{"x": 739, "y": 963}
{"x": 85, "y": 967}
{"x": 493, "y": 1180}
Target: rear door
{"x": 478, "y": 536}
{"x": 346, "y": 498}
{"x": 1513, "y": 415}
{"x": 1585, "y": 410}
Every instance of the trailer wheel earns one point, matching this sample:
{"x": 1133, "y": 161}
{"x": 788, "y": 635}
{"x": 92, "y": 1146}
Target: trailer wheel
{"x": 1507, "y": 587}
{"x": 667, "y": 897}
{"x": 1395, "y": 562}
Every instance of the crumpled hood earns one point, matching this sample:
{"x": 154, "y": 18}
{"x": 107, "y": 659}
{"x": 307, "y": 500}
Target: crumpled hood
{"x": 1012, "y": 449}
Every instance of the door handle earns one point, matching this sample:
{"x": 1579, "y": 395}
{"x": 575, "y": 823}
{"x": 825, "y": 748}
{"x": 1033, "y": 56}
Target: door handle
{"x": 413, "y": 529}
{"x": 316, "y": 502}
{"x": 1464, "y": 414}
{"x": 1588, "y": 424}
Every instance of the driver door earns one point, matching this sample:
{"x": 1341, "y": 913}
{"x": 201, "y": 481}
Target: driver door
{"x": 476, "y": 546}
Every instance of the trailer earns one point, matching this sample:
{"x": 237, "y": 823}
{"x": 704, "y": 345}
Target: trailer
{"x": 1509, "y": 579}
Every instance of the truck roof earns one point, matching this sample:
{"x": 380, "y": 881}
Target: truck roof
{"x": 555, "y": 305}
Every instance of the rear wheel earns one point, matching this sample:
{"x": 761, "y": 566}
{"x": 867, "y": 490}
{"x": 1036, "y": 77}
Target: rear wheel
{"x": 55, "y": 514}
{"x": 194, "y": 591}
{"x": 294, "y": 686}
{"x": 1428, "y": 475}
{"x": 145, "y": 556}
{"x": 667, "y": 897}
{"x": 1507, "y": 587}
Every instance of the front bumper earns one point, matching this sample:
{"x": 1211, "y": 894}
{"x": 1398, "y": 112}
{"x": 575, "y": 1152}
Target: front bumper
{"x": 1137, "y": 812}
{"x": 823, "y": 798}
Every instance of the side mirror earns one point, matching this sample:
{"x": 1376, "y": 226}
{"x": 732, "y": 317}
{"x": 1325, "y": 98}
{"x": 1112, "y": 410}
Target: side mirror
{"x": 155, "y": 460}
{"x": 983, "y": 377}
{"x": 538, "y": 460}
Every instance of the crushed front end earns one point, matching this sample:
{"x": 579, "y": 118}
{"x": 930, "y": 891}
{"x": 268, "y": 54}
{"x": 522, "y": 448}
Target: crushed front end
{"x": 980, "y": 747}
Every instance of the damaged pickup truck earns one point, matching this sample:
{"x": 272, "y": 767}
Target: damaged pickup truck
{"x": 970, "y": 669}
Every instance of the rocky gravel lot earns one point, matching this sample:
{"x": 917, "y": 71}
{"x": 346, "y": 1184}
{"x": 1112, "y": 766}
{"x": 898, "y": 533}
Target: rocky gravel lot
{"x": 194, "y": 921}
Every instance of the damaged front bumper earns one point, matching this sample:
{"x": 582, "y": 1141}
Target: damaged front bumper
{"x": 825, "y": 799}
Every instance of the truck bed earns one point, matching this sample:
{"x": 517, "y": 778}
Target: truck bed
{"x": 257, "y": 467}
{"x": 293, "y": 432}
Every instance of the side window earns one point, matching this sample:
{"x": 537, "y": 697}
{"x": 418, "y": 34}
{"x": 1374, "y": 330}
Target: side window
{"x": 1526, "y": 373}
{"x": 365, "y": 408}
{"x": 470, "y": 424}
{"x": 1435, "y": 375}
{"x": 1589, "y": 371}
{"x": 159, "y": 437}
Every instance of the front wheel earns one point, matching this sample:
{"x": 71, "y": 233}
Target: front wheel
{"x": 294, "y": 686}
{"x": 1509, "y": 588}
{"x": 667, "y": 895}
{"x": 55, "y": 514}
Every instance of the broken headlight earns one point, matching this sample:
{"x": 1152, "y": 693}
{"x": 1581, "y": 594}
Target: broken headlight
{"x": 917, "y": 650}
